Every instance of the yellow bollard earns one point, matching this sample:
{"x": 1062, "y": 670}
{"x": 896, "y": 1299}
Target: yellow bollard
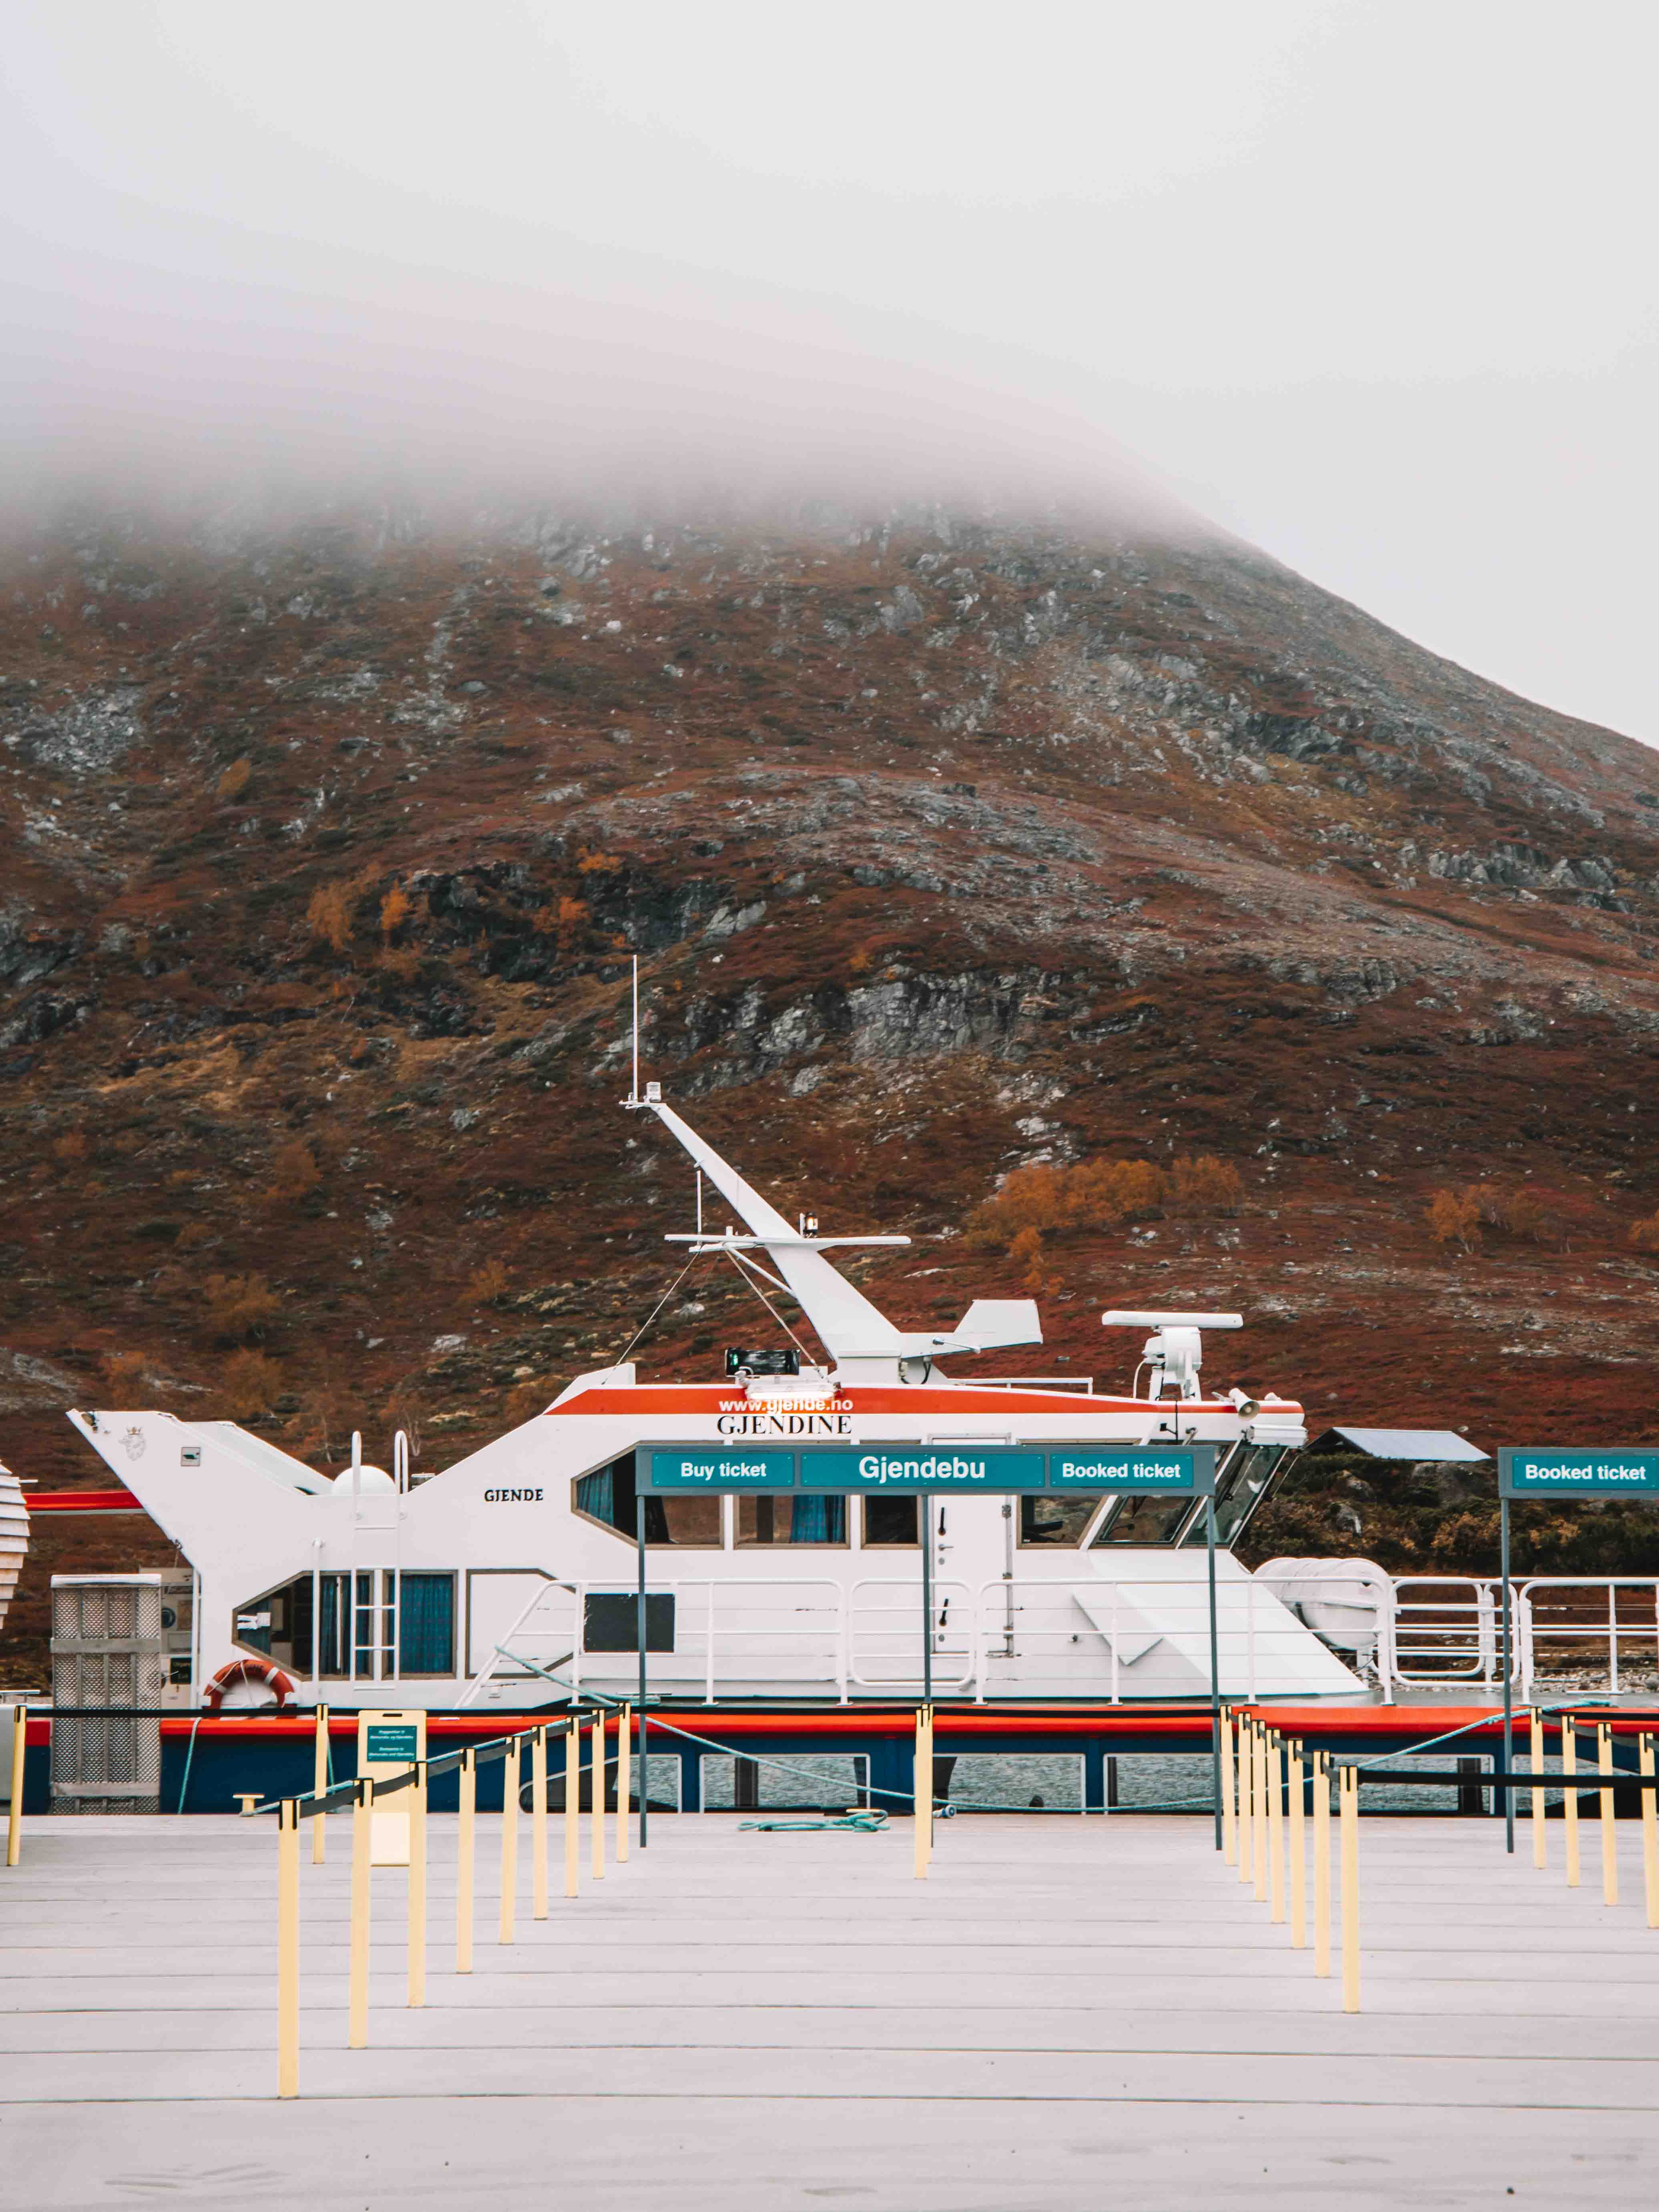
{"x": 319, "y": 1782}
{"x": 1570, "y": 1796}
{"x": 927, "y": 1799}
{"x": 596, "y": 1796}
{"x": 509, "y": 1840}
{"x": 1535, "y": 1760}
{"x": 624, "y": 1779}
{"x": 1604, "y": 1815}
{"x": 362, "y": 1823}
{"x": 1322, "y": 1828}
{"x": 1259, "y": 1758}
{"x": 468, "y": 1778}
{"x": 921, "y": 1791}
{"x": 1298, "y": 1860}
{"x": 288, "y": 1947}
{"x": 1650, "y": 1835}
{"x": 1348, "y": 1799}
{"x": 20, "y": 1729}
{"x": 1229, "y": 1782}
{"x": 572, "y": 1799}
{"x": 1246, "y": 1800}
{"x": 538, "y": 1823}
{"x": 417, "y": 1887}
{"x": 1276, "y": 1826}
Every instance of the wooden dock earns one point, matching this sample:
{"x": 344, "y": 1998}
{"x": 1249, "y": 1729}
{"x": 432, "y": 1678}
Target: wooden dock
{"x": 1068, "y": 2015}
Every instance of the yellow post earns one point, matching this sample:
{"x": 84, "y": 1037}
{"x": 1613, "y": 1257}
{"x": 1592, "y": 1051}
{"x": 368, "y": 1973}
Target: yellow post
{"x": 1246, "y": 1799}
{"x": 538, "y": 1823}
{"x": 1322, "y": 1818}
{"x": 1649, "y": 1836}
{"x": 1604, "y": 1815}
{"x": 1348, "y": 1787}
{"x": 573, "y": 1798}
{"x": 1299, "y": 1859}
{"x": 1259, "y": 1756}
{"x": 596, "y": 1796}
{"x": 1276, "y": 1826}
{"x": 927, "y": 1776}
{"x": 509, "y": 1838}
{"x": 417, "y": 1887}
{"x": 921, "y": 1791}
{"x": 288, "y": 1947}
{"x": 1570, "y": 1796}
{"x": 1228, "y": 1786}
{"x": 20, "y": 1729}
{"x": 1535, "y": 1760}
{"x": 468, "y": 1776}
{"x": 362, "y": 1823}
{"x": 624, "y": 1779}
{"x": 319, "y": 1782}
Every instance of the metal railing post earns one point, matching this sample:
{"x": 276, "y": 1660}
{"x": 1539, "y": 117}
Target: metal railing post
{"x": 1348, "y": 1798}
{"x": 463, "y": 1843}
{"x": 509, "y": 1840}
{"x": 573, "y": 1798}
{"x": 1259, "y": 1751}
{"x": 1276, "y": 1828}
{"x": 1321, "y": 1827}
{"x": 1570, "y": 1800}
{"x": 538, "y": 1823}
{"x": 1650, "y": 1834}
{"x": 319, "y": 1782}
{"x": 1246, "y": 1798}
{"x": 288, "y": 1947}
{"x": 362, "y": 1823}
{"x": 19, "y": 1734}
{"x": 624, "y": 1779}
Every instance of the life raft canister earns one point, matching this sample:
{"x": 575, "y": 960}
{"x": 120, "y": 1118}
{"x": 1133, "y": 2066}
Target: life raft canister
{"x": 248, "y": 1670}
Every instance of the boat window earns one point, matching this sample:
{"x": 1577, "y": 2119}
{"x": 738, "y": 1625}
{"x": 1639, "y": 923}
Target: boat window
{"x": 414, "y": 1611}
{"x": 607, "y": 1495}
{"x": 890, "y": 1521}
{"x": 801, "y": 1519}
{"x": 1060, "y": 1520}
{"x": 1148, "y": 1520}
{"x": 1242, "y": 1482}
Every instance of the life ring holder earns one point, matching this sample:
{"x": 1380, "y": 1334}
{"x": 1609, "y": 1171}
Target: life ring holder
{"x": 248, "y": 1670}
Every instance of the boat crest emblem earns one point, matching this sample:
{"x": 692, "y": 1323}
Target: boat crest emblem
{"x": 134, "y": 1442}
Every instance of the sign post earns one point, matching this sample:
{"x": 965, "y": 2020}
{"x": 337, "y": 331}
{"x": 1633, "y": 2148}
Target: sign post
{"x": 388, "y": 1745}
{"x": 1556, "y": 1472}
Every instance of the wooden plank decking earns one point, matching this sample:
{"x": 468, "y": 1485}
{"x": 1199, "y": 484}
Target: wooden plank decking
{"x": 1069, "y": 2014}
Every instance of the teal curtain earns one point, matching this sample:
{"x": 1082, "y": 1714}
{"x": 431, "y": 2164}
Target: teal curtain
{"x": 426, "y": 1624}
{"x": 818, "y": 1520}
{"x": 331, "y": 1644}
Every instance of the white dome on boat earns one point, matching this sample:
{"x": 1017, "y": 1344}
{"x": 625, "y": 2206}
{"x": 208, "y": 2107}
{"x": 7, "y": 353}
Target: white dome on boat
{"x": 368, "y": 1478}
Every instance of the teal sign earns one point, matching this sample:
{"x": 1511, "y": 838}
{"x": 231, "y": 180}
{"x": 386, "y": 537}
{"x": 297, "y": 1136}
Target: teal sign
{"x": 960, "y": 1468}
{"x": 1598, "y": 1473}
{"x": 1185, "y": 1472}
{"x": 393, "y": 1744}
{"x": 688, "y": 1467}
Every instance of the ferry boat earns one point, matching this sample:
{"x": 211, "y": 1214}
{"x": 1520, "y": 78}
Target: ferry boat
{"x": 509, "y": 1579}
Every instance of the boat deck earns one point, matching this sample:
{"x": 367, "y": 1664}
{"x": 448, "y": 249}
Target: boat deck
{"x": 1068, "y": 2015}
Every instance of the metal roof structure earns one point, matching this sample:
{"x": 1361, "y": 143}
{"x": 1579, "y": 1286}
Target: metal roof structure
{"x": 1400, "y": 1443}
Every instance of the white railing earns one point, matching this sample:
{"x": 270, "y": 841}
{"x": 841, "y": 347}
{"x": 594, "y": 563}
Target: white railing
{"x": 1618, "y": 1620}
{"x": 1456, "y": 1633}
{"x": 885, "y": 1634}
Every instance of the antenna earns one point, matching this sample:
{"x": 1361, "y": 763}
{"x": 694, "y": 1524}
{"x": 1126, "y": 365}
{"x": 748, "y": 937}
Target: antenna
{"x": 633, "y": 1092}
{"x": 700, "y": 1201}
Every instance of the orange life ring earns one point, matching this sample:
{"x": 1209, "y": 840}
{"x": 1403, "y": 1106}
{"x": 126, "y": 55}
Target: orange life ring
{"x": 248, "y": 1670}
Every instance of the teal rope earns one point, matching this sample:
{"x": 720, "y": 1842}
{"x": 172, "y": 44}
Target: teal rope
{"x": 866, "y": 1824}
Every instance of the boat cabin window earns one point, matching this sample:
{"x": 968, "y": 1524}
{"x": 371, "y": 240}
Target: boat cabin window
{"x": 1059, "y": 1520}
{"x": 1144, "y": 1520}
{"x": 607, "y": 1495}
{"x": 390, "y": 1626}
{"x": 889, "y": 1521}
{"x": 800, "y": 1520}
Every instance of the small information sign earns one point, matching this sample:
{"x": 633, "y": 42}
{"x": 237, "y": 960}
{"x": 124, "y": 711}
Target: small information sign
{"x": 960, "y": 1468}
{"x": 391, "y": 1743}
{"x": 686, "y": 1467}
{"x": 1595, "y": 1472}
{"x": 388, "y": 1745}
{"x": 1185, "y": 1470}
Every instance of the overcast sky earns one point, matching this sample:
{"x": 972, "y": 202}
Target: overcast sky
{"x": 1373, "y": 285}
